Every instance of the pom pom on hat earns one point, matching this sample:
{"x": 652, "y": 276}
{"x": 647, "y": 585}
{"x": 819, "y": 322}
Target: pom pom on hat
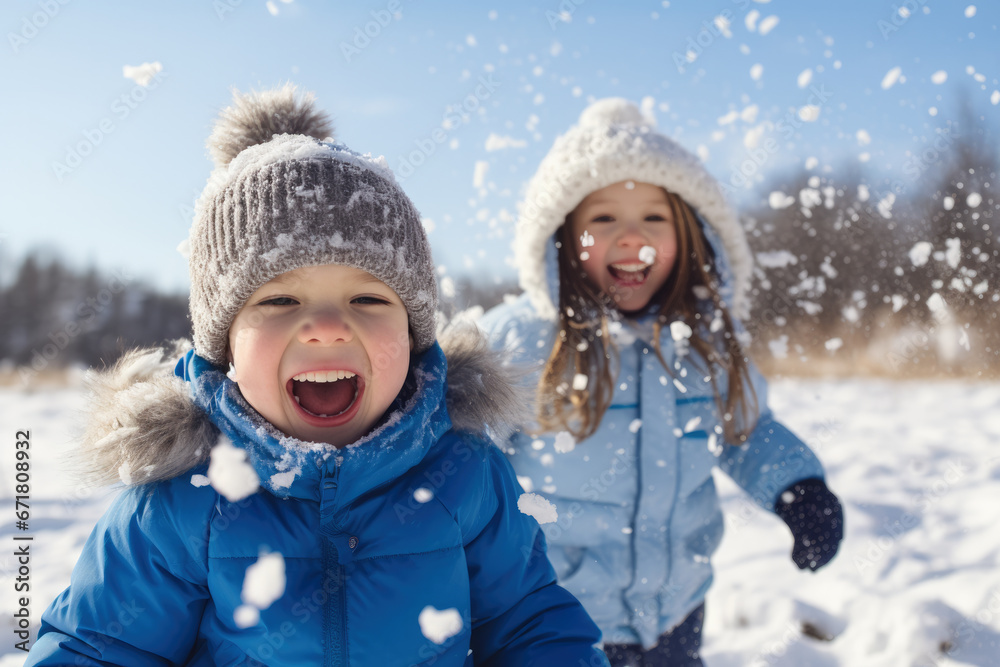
{"x": 255, "y": 117}
{"x": 612, "y": 111}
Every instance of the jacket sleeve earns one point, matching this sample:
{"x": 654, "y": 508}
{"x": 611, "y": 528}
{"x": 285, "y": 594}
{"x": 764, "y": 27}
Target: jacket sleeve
{"x": 772, "y": 458}
{"x": 520, "y": 616}
{"x": 137, "y": 593}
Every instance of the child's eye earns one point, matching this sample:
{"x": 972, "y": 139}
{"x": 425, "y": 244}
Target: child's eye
{"x": 369, "y": 301}
{"x": 604, "y": 218}
{"x": 278, "y": 301}
{"x": 655, "y": 217}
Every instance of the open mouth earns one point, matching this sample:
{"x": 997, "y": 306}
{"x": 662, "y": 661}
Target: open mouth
{"x": 630, "y": 273}
{"x": 326, "y": 398}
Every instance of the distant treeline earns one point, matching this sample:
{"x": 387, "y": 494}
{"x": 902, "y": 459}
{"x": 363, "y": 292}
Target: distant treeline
{"x": 55, "y": 316}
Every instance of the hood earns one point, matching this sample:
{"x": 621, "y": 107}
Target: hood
{"x": 614, "y": 142}
{"x": 159, "y": 412}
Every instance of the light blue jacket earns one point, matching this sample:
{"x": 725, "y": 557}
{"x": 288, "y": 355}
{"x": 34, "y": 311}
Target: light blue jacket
{"x": 639, "y": 515}
{"x": 162, "y": 576}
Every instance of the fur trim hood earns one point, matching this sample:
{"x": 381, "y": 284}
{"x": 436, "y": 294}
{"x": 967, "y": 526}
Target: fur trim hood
{"x": 143, "y": 424}
{"x": 613, "y": 142}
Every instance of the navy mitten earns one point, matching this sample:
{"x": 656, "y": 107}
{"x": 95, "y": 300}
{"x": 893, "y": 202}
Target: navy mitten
{"x": 816, "y": 519}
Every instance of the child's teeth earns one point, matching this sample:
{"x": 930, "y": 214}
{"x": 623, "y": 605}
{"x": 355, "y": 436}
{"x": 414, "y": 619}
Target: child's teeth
{"x": 296, "y": 398}
{"x": 323, "y": 376}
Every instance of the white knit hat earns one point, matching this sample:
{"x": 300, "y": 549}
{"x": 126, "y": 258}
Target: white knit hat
{"x": 613, "y": 142}
{"x": 280, "y": 199}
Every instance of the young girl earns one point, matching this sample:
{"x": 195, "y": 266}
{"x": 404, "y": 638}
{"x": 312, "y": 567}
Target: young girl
{"x": 635, "y": 273}
{"x": 332, "y": 499}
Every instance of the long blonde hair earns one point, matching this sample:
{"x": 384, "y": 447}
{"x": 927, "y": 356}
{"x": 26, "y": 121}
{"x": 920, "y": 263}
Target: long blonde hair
{"x": 584, "y": 345}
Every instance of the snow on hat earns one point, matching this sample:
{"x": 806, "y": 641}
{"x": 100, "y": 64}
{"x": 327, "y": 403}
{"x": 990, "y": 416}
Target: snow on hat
{"x": 284, "y": 196}
{"x": 613, "y": 142}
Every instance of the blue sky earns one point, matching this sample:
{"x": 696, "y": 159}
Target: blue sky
{"x": 126, "y": 204}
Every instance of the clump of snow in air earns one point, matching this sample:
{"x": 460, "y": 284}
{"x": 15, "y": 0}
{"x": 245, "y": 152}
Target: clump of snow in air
{"x": 811, "y": 163}
{"x": 750, "y": 20}
{"x": 863, "y": 193}
{"x": 833, "y": 344}
{"x": 898, "y": 301}
{"x": 776, "y": 259}
{"x": 538, "y": 507}
{"x": 891, "y": 77}
{"x": 526, "y": 483}
{"x": 953, "y": 255}
{"x": 125, "y": 473}
{"x": 200, "y": 480}
{"x": 580, "y": 382}
{"x": 479, "y": 173}
{"x": 439, "y": 625}
{"x": 184, "y": 248}
{"x": 647, "y": 254}
{"x": 470, "y": 39}
{"x": 756, "y": 72}
{"x": 692, "y": 424}
{"x": 863, "y": 137}
{"x": 949, "y": 203}
{"x": 586, "y": 239}
{"x": 230, "y": 473}
{"x": 753, "y": 135}
{"x": 634, "y": 425}
{"x": 920, "y": 253}
{"x": 722, "y": 23}
{"x": 884, "y": 206}
{"x": 970, "y": 11}
{"x": 939, "y": 77}
{"x": 768, "y": 24}
{"x": 779, "y": 200}
{"x": 564, "y": 442}
{"x": 995, "y": 97}
{"x": 496, "y": 142}
{"x": 263, "y": 583}
{"x": 974, "y": 199}
{"x": 142, "y": 74}
{"x": 423, "y": 495}
{"x": 779, "y": 347}
{"x": 805, "y": 76}
{"x": 809, "y": 113}
{"x": 680, "y": 330}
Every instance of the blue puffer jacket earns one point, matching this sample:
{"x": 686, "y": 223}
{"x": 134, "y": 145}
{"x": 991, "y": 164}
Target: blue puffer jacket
{"x": 162, "y": 575}
{"x": 639, "y": 514}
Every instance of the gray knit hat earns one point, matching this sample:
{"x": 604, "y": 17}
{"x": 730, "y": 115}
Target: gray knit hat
{"x": 284, "y": 196}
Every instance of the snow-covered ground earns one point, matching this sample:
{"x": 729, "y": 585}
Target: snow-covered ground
{"x": 919, "y": 570}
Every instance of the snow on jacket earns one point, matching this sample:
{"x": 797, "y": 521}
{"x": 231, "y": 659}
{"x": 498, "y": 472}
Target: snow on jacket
{"x": 417, "y": 514}
{"x": 639, "y": 515}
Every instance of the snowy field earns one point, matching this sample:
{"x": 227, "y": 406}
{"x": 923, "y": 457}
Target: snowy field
{"x": 918, "y": 573}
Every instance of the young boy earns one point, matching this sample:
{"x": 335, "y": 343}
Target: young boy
{"x": 333, "y": 499}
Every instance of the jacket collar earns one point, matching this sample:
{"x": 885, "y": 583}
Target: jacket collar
{"x": 288, "y": 467}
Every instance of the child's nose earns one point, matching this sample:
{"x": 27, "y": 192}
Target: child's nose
{"x": 325, "y": 328}
{"x": 632, "y": 235}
